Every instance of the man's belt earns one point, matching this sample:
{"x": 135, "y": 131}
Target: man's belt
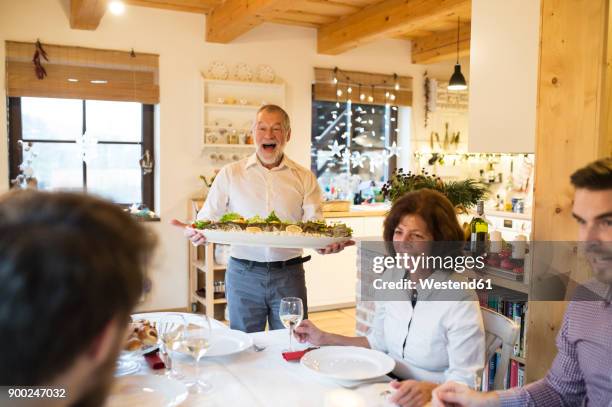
{"x": 273, "y": 264}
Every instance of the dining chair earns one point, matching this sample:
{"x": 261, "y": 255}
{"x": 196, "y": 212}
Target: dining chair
{"x": 499, "y": 331}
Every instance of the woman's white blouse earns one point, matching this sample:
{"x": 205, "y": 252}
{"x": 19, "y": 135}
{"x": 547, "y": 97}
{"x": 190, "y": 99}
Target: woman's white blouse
{"x": 445, "y": 340}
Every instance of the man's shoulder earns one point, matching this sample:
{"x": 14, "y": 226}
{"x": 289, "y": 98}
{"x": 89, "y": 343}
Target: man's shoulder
{"x": 297, "y": 167}
{"x": 235, "y": 167}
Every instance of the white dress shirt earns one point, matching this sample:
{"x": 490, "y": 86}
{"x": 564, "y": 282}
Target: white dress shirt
{"x": 436, "y": 341}
{"x": 250, "y": 189}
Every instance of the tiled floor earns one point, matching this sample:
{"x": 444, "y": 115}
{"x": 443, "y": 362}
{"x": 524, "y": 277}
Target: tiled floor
{"x": 340, "y": 321}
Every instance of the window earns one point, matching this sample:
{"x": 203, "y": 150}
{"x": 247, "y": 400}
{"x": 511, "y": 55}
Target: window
{"x": 90, "y": 145}
{"x": 364, "y": 135}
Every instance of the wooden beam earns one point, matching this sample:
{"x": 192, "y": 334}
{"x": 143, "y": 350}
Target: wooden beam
{"x": 86, "y": 14}
{"x": 233, "y": 18}
{"x": 441, "y": 46}
{"x": 388, "y": 18}
{"x": 571, "y": 91}
{"x": 190, "y": 6}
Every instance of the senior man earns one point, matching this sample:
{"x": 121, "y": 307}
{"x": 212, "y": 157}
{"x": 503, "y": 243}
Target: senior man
{"x": 257, "y": 278}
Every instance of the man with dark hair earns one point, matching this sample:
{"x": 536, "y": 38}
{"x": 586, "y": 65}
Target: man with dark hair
{"x": 71, "y": 271}
{"x": 581, "y": 373}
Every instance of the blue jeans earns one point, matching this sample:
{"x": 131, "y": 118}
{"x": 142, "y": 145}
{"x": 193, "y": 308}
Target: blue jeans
{"x": 254, "y": 293}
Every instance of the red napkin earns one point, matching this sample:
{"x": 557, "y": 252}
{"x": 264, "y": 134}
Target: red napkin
{"x": 154, "y": 361}
{"x": 297, "y": 355}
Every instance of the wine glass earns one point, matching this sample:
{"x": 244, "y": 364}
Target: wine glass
{"x": 171, "y": 330}
{"x": 196, "y": 343}
{"x": 291, "y": 313}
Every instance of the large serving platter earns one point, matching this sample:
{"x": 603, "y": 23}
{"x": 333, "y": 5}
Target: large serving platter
{"x": 270, "y": 239}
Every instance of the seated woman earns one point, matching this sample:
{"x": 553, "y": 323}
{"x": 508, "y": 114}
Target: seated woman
{"x": 432, "y": 339}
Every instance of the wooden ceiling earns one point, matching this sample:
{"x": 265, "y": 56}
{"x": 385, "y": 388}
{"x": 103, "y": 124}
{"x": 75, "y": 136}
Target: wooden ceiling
{"x": 341, "y": 24}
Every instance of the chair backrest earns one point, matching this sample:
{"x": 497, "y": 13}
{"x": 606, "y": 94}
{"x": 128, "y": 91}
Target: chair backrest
{"x": 499, "y": 331}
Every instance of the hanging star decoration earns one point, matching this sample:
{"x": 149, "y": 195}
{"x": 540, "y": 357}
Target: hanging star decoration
{"x": 336, "y": 148}
{"x": 346, "y": 156}
{"x": 357, "y": 159}
{"x": 375, "y": 162}
{"x": 393, "y": 150}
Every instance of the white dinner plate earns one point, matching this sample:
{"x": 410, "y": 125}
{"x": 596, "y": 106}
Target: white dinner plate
{"x": 348, "y": 362}
{"x": 270, "y": 239}
{"x": 224, "y": 342}
{"x": 146, "y": 390}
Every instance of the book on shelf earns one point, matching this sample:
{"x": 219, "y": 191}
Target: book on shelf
{"x": 514, "y": 378}
{"x": 513, "y": 307}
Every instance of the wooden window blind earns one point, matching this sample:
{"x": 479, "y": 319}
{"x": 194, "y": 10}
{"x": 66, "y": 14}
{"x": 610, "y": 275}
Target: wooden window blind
{"x": 83, "y": 73}
{"x": 324, "y": 88}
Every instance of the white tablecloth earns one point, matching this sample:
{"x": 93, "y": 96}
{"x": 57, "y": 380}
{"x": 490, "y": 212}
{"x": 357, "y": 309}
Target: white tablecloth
{"x": 257, "y": 378}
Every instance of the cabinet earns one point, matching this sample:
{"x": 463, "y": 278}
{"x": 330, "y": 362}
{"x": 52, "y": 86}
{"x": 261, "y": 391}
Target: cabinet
{"x": 331, "y": 278}
{"x": 503, "y": 80}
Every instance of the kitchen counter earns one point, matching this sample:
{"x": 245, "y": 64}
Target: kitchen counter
{"x": 360, "y": 211}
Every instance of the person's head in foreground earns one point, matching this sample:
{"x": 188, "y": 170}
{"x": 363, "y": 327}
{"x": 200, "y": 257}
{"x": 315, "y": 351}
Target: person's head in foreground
{"x": 71, "y": 270}
{"x": 272, "y": 131}
{"x": 592, "y": 210}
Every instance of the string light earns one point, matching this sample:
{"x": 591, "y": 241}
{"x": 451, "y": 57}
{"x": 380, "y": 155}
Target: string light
{"x": 371, "y": 97}
{"x": 396, "y": 79}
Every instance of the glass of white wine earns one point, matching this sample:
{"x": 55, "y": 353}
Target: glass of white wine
{"x": 291, "y": 313}
{"x": 171, "y": 329}
{"x": 196, "y": 343}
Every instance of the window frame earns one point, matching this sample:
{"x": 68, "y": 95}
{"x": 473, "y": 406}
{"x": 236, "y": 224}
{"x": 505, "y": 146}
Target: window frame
{"x": 15, "y": 134}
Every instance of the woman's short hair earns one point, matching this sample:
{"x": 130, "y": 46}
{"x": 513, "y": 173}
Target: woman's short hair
{"x": 436, "y": 211}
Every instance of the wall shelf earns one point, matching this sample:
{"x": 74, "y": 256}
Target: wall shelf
{"x": 244, "y": 146}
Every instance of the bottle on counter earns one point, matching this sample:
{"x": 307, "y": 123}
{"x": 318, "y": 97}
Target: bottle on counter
{"x": 479, "y": 229}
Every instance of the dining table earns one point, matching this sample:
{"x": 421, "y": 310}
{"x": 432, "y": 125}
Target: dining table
{"x": 260, "y": 376}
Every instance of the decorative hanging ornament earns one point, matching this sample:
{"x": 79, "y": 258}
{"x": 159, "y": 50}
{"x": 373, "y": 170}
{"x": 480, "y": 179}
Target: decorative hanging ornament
{"x": 394, "y": 150}
{"x": 357, "y": 160}
{"x": 336, "y": 148}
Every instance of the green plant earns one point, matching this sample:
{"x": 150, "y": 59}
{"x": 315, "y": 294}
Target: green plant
{"x": 462, "y": 194}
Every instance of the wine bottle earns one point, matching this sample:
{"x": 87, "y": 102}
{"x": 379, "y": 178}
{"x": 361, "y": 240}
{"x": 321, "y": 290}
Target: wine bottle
{"x": 479, "y": 229}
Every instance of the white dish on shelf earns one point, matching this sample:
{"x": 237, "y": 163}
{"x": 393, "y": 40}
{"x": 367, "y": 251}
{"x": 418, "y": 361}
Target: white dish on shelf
{"x": 348, "y": 363}
{"x": 217, "y": 70}
{"x": 270, "y": 239}
{"x": 265, "y": 73}
{"x": 242, "y": 72}
{"x": 146, "y": 390}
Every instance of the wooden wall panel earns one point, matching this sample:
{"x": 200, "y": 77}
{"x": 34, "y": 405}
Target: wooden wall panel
{"x": 571, "y": 88}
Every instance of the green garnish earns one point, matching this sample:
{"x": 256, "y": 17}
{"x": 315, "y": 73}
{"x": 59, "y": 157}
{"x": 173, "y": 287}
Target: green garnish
{"x": 201, "y": 224}
{"x": 272, "y": 218}
{"x": 231, "y": 217}
{"x": 256, "y": 219}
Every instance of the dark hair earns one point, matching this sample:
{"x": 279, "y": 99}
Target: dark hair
{"x": 69, "y": 264}
{"x": 596, "y": 176}
{"x": 437, "y": 212}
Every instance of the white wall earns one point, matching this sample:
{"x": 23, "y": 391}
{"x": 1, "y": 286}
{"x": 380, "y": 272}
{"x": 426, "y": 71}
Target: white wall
{"x": 504, "y": 68}
{"x": 179, "y": 40}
